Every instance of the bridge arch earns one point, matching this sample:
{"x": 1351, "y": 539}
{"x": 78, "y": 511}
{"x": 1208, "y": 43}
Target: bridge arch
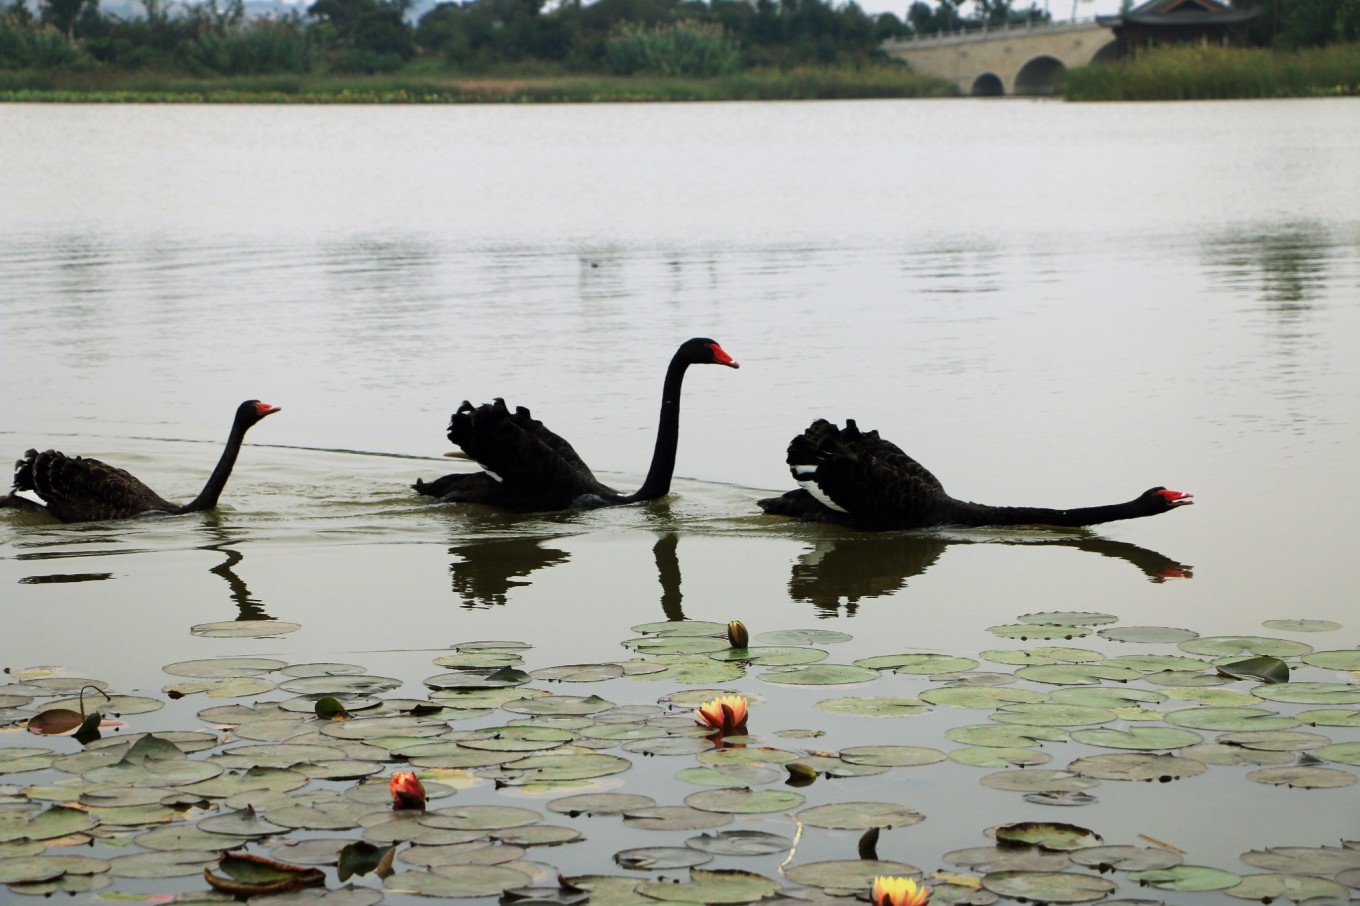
{"x": 1108, "y": 53}
{"x": 988, "y": 85}
{"x": 1039, "y": 76}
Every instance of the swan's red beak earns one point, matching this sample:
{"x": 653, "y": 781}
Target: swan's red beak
{"x": 720, "y": 356}
{"x": 266, "y": 409}
{"x": 1176, "y": 498}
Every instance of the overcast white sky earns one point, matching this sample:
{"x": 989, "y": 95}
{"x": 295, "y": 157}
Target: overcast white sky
{"x": 1060, "y": 9}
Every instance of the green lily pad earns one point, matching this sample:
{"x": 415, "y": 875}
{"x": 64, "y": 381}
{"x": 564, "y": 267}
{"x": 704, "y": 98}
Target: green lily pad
{"x": 1317, "y": 860}
{"x": 712, "y": 887}
{"x": 1038, "y": 781}
{"x": 1302, "y": 625}
{"x": 578, "y": 673}
{"x": 245, "y": 629}
{"x": 820, "y": 675}
{"x": 1008, "y": 858}
{"x": 1298, "y": 888}
{"x": 1042, "y": 654}
{"x": 480, "y": 817}
{"x": 1051, "y": 714}
{"x": 1305, "y": 777}
{"x": 674, "y": 818}
{"x": 1048, "y": 886}
{"x": 49, "y": 824}
{"x": 1126, "y": 858}
{"x": 1345, "y": 659}
{"x": 224, "y": 667}
{"x": 600, "y": 803}
{"x": 1137, "y": 737}
{"x": 998, "y": 757}
{"x": 1230, "y": 719}
{"x": 660, "y": 858}
{"x": 771, "y": 655}
{"x": 1330, "y": 717}
{"x": 1309, "y": 693}
{"x": 799, "y": 637}
{"x": 859, "y": 815}
{"x": 1026, "y": 631}
{"x": 745, "y": 802}
{"x": 1137, "y": 766}
{"x": 555, "y": 767}
{"x": 892, "y": 756}
{"x": 682, "y": 627}
{"x": 1340, "y": 752}
{"x": 1197, "y": 878}
{"x": 1077, "y": 674}
{"x": 1154, "y": 663}
{"x": 740, "y": 843}
{"x": 848, "y": 874}
{"x": 470, "y": 881}
{"x": 175, "y": 863}
{"x": 737, "y": 775}
{"x": 558, "y": 705}
{"x": 1151, "y": 635}
{"x": 1275, "y": 740}
{"x": 1005, "y": 735}
{"x": 1229, "y": 645}
{"x": 981, "y": 697}
{"x": 918, "y": 664}
{"x": 873, "y": 706}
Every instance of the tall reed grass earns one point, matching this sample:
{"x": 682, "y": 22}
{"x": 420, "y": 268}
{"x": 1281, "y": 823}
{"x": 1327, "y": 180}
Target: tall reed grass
{"x": 422, "y": 86}
{"x": 1209, "y": 72}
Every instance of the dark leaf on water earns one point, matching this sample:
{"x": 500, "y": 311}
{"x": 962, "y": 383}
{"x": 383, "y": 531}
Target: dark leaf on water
{"x": 249, "y": 874}
{"x": 1269, "y": 669}
{"x": 362, "y": 857}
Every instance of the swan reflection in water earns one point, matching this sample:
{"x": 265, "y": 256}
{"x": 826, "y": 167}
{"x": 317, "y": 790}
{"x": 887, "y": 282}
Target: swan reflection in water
{"x": 248, "y": 607}
{"x": 842, "y": 571}
{"x": 483, "y": 572}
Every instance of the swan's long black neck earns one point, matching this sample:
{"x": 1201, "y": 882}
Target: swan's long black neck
{"x": 978, "y": 514}
{"x": 658, "y": 481}
{"x": 207, "y": 498}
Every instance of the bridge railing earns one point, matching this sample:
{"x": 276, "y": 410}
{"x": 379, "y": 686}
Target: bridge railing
{"x": 992, "y": 32}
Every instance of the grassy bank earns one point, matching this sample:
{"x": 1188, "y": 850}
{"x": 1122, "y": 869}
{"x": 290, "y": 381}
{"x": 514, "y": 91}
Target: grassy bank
{"x": 422, "y": 86}
{"x": 1204, "y": 73}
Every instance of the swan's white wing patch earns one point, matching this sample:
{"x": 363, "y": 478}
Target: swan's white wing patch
{"x": 810, "y": 485}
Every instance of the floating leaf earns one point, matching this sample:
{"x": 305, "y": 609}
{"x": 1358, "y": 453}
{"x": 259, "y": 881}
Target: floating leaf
{"x": 470, "y": 881}
{"x": 1345, "y": 659}
{"x": 674, "y": 817}
{"x": 745, "y": 802}
{"x": 820, "y": 675}
{"x": 1298, "y": 888}
{"x": 224, "y": 667}
{"x": 1031, "y": 781}
{"x": 1137, "y": 766}
{"x": 1318, "y": 860}
{"x": 1303, "y": 777}
{"x": 1228, "y": 645}
{"x": 1147, "y": 634}
{"x": 704, "y": 886}
{"x": 980, "y": 697}
{"x": 1137, "y": 737}
{"x": 245, "y": 629}
{"x": 892, "y": 756}
{"x": 1025, "y": 631}
{"x": 740, "y": 843}
{"x": 998, "y": 757}
{"x": 1051, "y": 714}
{"x": 881, "y": 706}
{"x": 1048, "y": 886}
{"x": 252, "y": 875}
{"x": 1310, "y": 693}
{"x": 661, "y": 858}
{"x": 1269, "y": 669}
{"x": 600, "y": 803}
{"x": 1230, "y": 719}
{"x": 803, "y": 637}
{"x": 918, "y": 664}
{"x": 31, "y": 869}
{"x": 1047, "y": 835}
{"x": 1186, "y": 878}
{"x": 1302, "y": 625}
{"x": 177, "y": 863}
{"x": 1126, "y": 858}
{"x": 848, "y": 874}
{"x": 859, "y": 815}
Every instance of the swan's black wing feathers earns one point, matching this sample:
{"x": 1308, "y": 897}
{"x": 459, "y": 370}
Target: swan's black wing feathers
{"x": 528, "y": 461}
{"x": 78, "y": 489}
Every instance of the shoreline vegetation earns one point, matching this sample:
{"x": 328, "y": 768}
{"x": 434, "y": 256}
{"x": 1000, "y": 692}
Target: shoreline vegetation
{"x": 421, "y": 86}
{"x": 1172, "y": 73}
{"x": 1169, "y": 73}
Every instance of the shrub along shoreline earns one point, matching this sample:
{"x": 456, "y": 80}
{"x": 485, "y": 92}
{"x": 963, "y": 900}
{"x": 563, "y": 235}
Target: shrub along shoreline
{"x": 1170, "y": 73}
{"x": 799, "y": 83}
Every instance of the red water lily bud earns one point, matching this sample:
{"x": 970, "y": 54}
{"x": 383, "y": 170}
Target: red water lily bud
{"x": 407, "y": 791}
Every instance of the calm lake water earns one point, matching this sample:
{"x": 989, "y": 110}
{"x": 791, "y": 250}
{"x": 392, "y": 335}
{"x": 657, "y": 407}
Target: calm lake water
{"x": 1044, "y": 303}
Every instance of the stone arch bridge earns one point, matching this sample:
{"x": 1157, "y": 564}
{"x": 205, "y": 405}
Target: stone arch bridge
{"x": 1022, "y": 59}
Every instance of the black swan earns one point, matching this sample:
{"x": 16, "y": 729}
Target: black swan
{"x": 529, "y": 469}
{"x": 75, "y": 489}
{"x": 856, "y": 478}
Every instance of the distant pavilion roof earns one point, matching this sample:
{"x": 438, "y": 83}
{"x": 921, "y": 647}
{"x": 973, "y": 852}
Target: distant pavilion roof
{"x": 1155, "y": 14}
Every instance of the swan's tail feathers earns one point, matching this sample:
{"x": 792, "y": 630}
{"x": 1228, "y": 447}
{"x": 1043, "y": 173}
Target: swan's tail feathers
{"x": 462, "y": 487}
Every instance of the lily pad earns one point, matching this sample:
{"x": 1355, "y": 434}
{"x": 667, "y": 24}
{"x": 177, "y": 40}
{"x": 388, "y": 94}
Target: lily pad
{"x": 820, "y": 675}
{"x": 1126, "y": 858}
{"x": 740, "y": 843}
{"x": 859, "y": 815}
{"x": 802, "y": 637}
{"x": 1137, "y": 766}
{"x": 848, "y": 874}
{"x": 745, "y": 802}
{"x": 674, "y": 817}
{"x": 918, "y": 664}
{"x": 1048, "y": 886}
{"x": 245, "y": 629}
{"x": 712, "y": 887}
{"x": 873, "y": 706}
{"x": 1228, "y": 645}
{"x": 1151, "y": 635}
{"x": 660, "y": 858}
{"x": 600, "y": 803}
{"x": 470, "y": 881}
{"x": 892, "y": 756}
{"x": 1298, "y": 888}
{"x": 1137, "y": 737}
{"x": 1197, "y": 878}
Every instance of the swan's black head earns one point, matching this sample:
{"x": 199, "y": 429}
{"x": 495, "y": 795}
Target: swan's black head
{"x": 703, "y": 351}
{"x": 251, "y": 411}
{"x": 1162, "y": 499}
